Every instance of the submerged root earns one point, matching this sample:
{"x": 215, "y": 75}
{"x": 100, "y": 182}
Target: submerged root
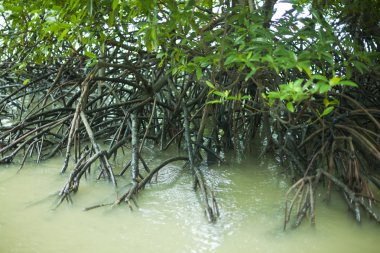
{"x": 354, "y": 201}
{"x": 304, "y": 194}
{"x": 129, "y": 196}
{"x": 304, "y": 190}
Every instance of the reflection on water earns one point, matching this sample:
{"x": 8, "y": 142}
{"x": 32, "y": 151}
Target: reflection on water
{"x": 169, "y": 218}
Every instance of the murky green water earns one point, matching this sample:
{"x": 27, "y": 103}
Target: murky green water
{"x": 250, "y": 194}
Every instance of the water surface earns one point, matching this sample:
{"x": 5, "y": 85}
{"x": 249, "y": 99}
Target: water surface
{"x": 169, "y": 217}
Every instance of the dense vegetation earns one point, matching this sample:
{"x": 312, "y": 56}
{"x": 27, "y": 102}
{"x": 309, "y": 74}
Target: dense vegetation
{"x": 206, "y": 76}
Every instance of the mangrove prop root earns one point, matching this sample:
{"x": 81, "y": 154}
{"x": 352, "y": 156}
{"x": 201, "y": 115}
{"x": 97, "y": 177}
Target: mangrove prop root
{"x": 128, "y": 196}
{"x": 352, "y": 198}
{"x": 304, "y": 191}
{"x": 211, "y": 213}
{"x": 305, "y": 194}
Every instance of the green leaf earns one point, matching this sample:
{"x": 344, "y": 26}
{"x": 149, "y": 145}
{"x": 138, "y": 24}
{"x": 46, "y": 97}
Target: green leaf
{"x": 273, "y": 94}
{"x": 334, "y": 81}
{"x": 298, "y": 82}
{"x": 111, "y": 19}
{"x": 115, "y": 3}
{"x": 214, "y": 102}
{"x": 249, "y": 55}
{"x": 207, "y": 3}
{"x": 327, "y": 111}
{"x": 73, "y": 4}
{"x": 323, "y": 88}
{"x": 250, "y": 74}
{"x": 231, "y": 59}
{"x": 26, "y": 81}
{"x": 209, "y": 84}
{"x": 320, "y": 77}
{"x": 90, "y": 55}
{"x": 290, "y": 106}
{"x": 198, "y": 73}
{"x": 63, "y": 34}
{"x": 268, "y": 58}
{"x": 160, "y": 55}
{"x": 348, "y": 83}
{"x": 328, "y": 57}
{"x": 305, "y": 66}
{"x": 174, "y": 71}
{"x": 91, "y": 63}
{"x": 90, "y": 7}
{"x": 220, "y": 94}
{"x": 73, "y": 19}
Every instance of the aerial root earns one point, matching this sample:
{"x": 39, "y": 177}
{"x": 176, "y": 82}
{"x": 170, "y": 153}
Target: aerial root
{"x": 353, "y": 200}
{"x": 72, "y": 184}
{"x": 129, "y": 196}
{"x": 304, "y": 192}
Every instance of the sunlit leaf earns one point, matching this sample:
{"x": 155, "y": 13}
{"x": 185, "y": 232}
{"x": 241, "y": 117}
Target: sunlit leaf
{"x": 115, "y": 3}
{"x": 326, "y": 102}
{"x": 214, "y": 102}
{"x": 218, "y": 93}
{"x": 273, "y": 94}
{"x": 63, "y": 34}
{"x": 90, "y": 55}
{"x": 290, "y": 106}
{"x": 335, "y": 80}
{"x": 323, "y": 88}
{"x": 305, "y": 66}
{"x": 298, "y": 82}
{"x": 26, "y": 81}
{"x": 209, "y": 84}
{"x": 327, "y": 111}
